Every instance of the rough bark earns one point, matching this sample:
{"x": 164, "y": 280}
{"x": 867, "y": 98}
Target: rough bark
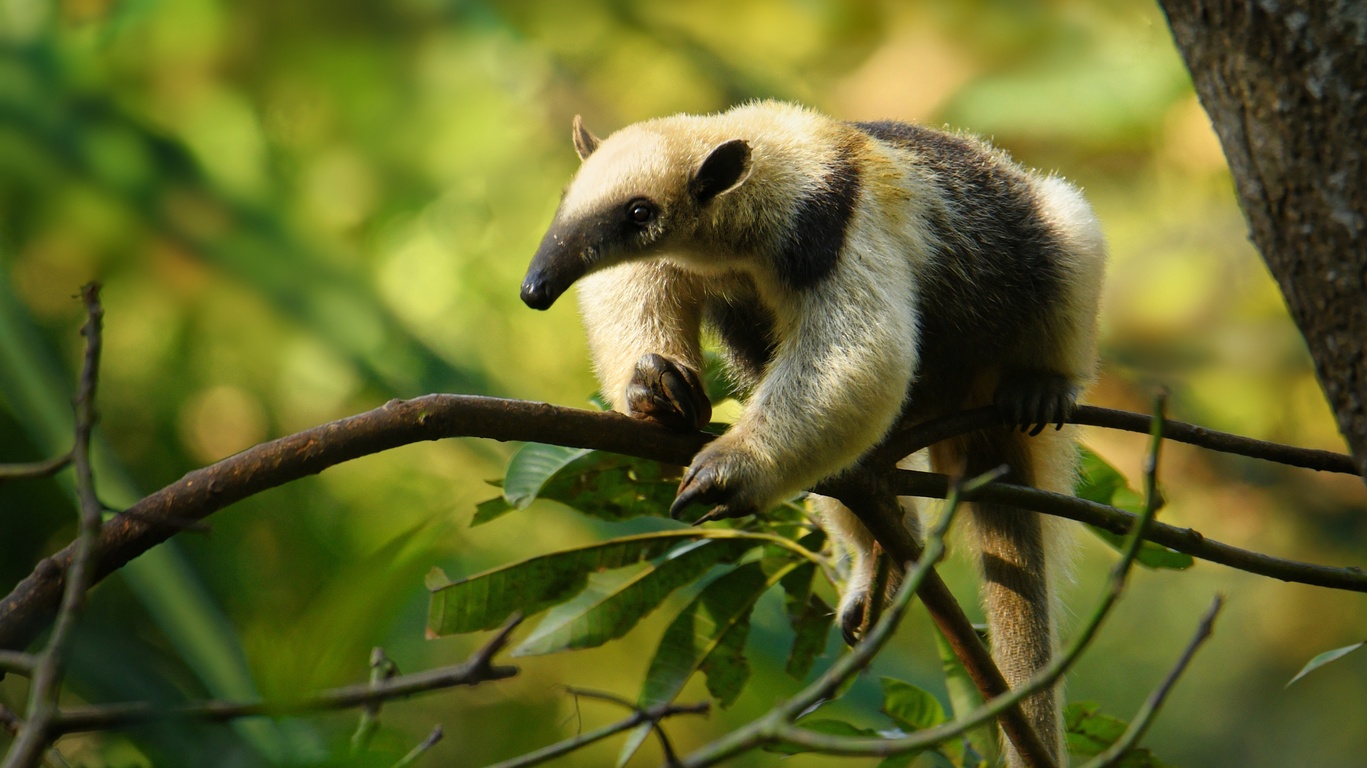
{"x": 1285, "y": 84}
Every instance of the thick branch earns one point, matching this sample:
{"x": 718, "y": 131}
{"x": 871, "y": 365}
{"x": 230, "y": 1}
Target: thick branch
{"x": 154, "y": 519}
{"x": 28, "y": 608}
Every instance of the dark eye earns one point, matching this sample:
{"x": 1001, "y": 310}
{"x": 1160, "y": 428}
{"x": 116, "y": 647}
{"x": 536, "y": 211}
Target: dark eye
{"x": 640, "y": 211}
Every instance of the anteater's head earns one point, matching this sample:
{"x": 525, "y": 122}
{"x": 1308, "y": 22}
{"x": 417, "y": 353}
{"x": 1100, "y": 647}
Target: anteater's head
{"x": 643, "y": 191}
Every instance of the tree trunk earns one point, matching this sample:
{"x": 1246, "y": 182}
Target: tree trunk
{"x": 1285, "y": 84}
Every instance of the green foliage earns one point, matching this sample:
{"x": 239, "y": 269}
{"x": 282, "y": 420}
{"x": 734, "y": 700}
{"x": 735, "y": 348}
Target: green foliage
{"x": 1090, "y": 732}
{"x": 1100, "y": 482}
{"x": 486, "y": 600}
{"x": 707, "y": 635}
{"x": 1324, "y": 658}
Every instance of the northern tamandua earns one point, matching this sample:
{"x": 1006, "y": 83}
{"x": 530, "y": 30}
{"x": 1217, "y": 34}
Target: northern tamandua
{"x": 856, "y": 275}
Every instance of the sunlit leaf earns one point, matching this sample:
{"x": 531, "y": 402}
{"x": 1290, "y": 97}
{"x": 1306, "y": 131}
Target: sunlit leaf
{"x": 1091, "y": 732}
{"x": 964, "y": 698}
{"x": 1102, "y": 483}
{"x": 610, "y": 615}
{"x": 486, "y": 600}
{"x": 700, "y": 631}
{"x": 1324, "y": 658}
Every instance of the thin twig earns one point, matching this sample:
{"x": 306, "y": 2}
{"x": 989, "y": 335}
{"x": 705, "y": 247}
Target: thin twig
{"x": 381, "y": 669}
{"x": 671, "y": 759}
{"x": 653, "y": 714}
{"x": 908, "y": 482}
{"x": 35, "y": 470}
{"x": 18, "y": 663}
{"x": 416, "y": 752}
{"x": 478, "y": 669}
{"x": 1144, "y": 717}
{"x": 32, "y": 740}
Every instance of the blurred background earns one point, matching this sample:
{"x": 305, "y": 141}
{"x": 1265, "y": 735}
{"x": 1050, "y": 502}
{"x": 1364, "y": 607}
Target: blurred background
{"x": 300, "y": 210}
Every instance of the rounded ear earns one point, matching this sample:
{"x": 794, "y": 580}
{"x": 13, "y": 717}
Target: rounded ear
{"x": 725, "y": 168}
{"x": 584, "y": 141}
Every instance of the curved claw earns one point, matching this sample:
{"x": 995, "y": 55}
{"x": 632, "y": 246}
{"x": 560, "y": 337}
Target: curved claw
{"x": 1030, "y": 401}
{"x": 702, "y": 485}
{"x": 667, "y": 393}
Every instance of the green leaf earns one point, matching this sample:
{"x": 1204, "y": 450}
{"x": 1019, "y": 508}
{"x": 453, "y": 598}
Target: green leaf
{"x": 811, "y": 631}
{"x": 609, "y": 615}
{"x": 532, "y": 467}
{"x": 912, "y": 708}
{"x": 604, "y": 485}
{"x": 1324, "y": 658}
{"x": 609, "y": 486}
{"x": 964, "y": 698}
{"x": 491, "y": 509}
{"x": 486, "y": 600}
{"x": 1102, "y": 483}
{"x": 634, "y": 740}
{"x": 697, "y": 639}
{"x": 1090, "y": 733}
{"x": 900, "y": 761}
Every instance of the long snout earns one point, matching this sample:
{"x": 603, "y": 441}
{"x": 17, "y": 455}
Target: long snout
{"x": 558, "y": 262}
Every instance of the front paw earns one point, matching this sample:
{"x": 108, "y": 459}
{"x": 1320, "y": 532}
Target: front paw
{"x": 1035, "y": 399}
{"x": 726, "y": 479}
{"x": 667, "y": 393}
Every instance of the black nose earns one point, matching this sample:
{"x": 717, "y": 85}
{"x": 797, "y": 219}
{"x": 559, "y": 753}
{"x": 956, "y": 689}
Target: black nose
{"x": 536, "y": 294}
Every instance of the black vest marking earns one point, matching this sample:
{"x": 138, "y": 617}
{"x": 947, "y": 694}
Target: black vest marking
{"x": 746, "y": 330}
{"x": 811, "y": 247}
{"x": 998, "y": 270}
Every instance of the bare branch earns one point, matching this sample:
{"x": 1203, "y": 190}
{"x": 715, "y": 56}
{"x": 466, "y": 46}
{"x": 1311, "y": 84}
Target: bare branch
{"x": 35, "y": 470}
{"x": 478, "y": 669}
{"x": 31, "y": 742}
{"x": 926, "y": 434}
{"x": 17, "y": 662}
{"x": 649, "y": 715}
{"x": 1187, "y": 540}
{"x": 416, "y": 752}
{"x": 1145, "y": 716}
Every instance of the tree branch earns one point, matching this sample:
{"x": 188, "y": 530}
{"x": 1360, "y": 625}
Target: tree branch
{"x": 479, "y": 668}
{"x": 923, "y": 435}
{"x": 27, "y": 609}
{"x": 1144, "y": 717}
{"x": 35, "y": 470}
{"x": 31, "y": 742}
{"x": 649, "y": 715}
